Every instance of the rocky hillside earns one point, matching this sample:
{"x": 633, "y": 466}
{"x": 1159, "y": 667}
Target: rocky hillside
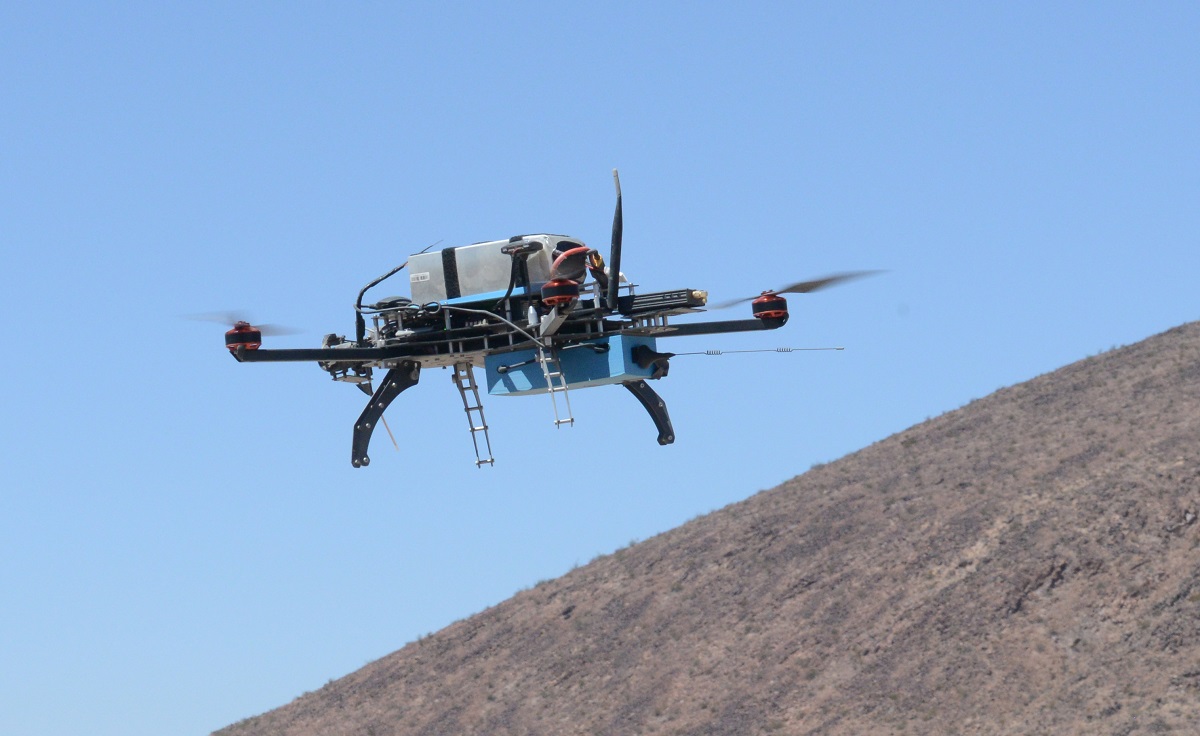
{"x": 1029, "y": 563}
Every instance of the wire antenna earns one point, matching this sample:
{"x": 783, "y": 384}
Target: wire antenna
{"x": 763, "y": 350}
{"x": 389, "y": 431}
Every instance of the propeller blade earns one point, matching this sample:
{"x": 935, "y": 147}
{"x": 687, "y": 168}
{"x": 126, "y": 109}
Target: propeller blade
{"x": 233, "y": 317}
{"x": 732, "y": 303}
{"x": 802, "y": 287}
{"x": 228, "y": 317}
{"x": 277, "y": 330}
{"x": 614, "y": 254}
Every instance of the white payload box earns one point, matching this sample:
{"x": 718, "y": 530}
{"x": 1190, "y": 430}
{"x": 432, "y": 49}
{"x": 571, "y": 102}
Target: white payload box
{"x": 482, "y": 271}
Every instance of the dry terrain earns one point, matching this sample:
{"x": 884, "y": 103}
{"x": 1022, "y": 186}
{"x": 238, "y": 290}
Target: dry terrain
{"x": 1027, "y": 564}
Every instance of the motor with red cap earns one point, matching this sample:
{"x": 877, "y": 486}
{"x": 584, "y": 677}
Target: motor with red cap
{"x": 243, "y": 335}
{"x": 567, "y": 272}
{"x": 769, "y": 306}
{"x": 558, "y": 292}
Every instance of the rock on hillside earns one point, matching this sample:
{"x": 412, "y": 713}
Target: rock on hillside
{"x": 1029, "y": 563}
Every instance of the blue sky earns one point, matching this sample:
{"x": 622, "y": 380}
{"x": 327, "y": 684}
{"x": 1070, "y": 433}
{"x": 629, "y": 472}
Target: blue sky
{"x": 183, "y": 542}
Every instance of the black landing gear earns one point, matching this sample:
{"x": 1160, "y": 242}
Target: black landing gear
{"x": 656, "y": 407}
{"x": 403, "y": 376}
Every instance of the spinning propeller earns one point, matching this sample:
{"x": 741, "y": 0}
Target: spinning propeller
{"x": 243, "y": 334}
{"x": 236, "y": 319}
{"x": 800, "y": 287}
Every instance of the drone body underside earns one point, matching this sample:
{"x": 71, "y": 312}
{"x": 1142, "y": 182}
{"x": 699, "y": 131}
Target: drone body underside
{"x": 601, "y": 362}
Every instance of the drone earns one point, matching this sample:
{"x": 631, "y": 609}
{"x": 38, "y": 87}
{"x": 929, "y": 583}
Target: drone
{"x": 526, "y": 312}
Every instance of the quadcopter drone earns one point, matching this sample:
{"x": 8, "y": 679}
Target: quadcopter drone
{"x": 525, "y": 311}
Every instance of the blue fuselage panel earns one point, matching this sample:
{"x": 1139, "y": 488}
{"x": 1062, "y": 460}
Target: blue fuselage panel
{"x": 582, "y": 367}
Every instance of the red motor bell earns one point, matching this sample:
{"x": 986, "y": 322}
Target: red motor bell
{"x": 559, "y": 291}
{"x": 243, "y": 335}
{"x": 770, "y": 306}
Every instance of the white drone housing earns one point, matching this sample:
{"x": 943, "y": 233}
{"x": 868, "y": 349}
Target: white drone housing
{"x": 481, "y": 272}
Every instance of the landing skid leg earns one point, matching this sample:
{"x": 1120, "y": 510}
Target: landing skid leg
{"x": 657, "y": 408}
{"x": 397, "y": 379}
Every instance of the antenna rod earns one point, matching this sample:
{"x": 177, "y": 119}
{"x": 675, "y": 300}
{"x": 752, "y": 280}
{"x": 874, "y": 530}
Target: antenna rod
{"x": 389, "y": 431}
{"x": 763, "y": 350}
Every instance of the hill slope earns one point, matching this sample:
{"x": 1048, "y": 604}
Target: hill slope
{"x": 1026, "y": 564}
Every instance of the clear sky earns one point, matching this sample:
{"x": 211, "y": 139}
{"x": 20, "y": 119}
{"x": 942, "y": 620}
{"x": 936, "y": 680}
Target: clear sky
{"x": 183, "y": 542}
